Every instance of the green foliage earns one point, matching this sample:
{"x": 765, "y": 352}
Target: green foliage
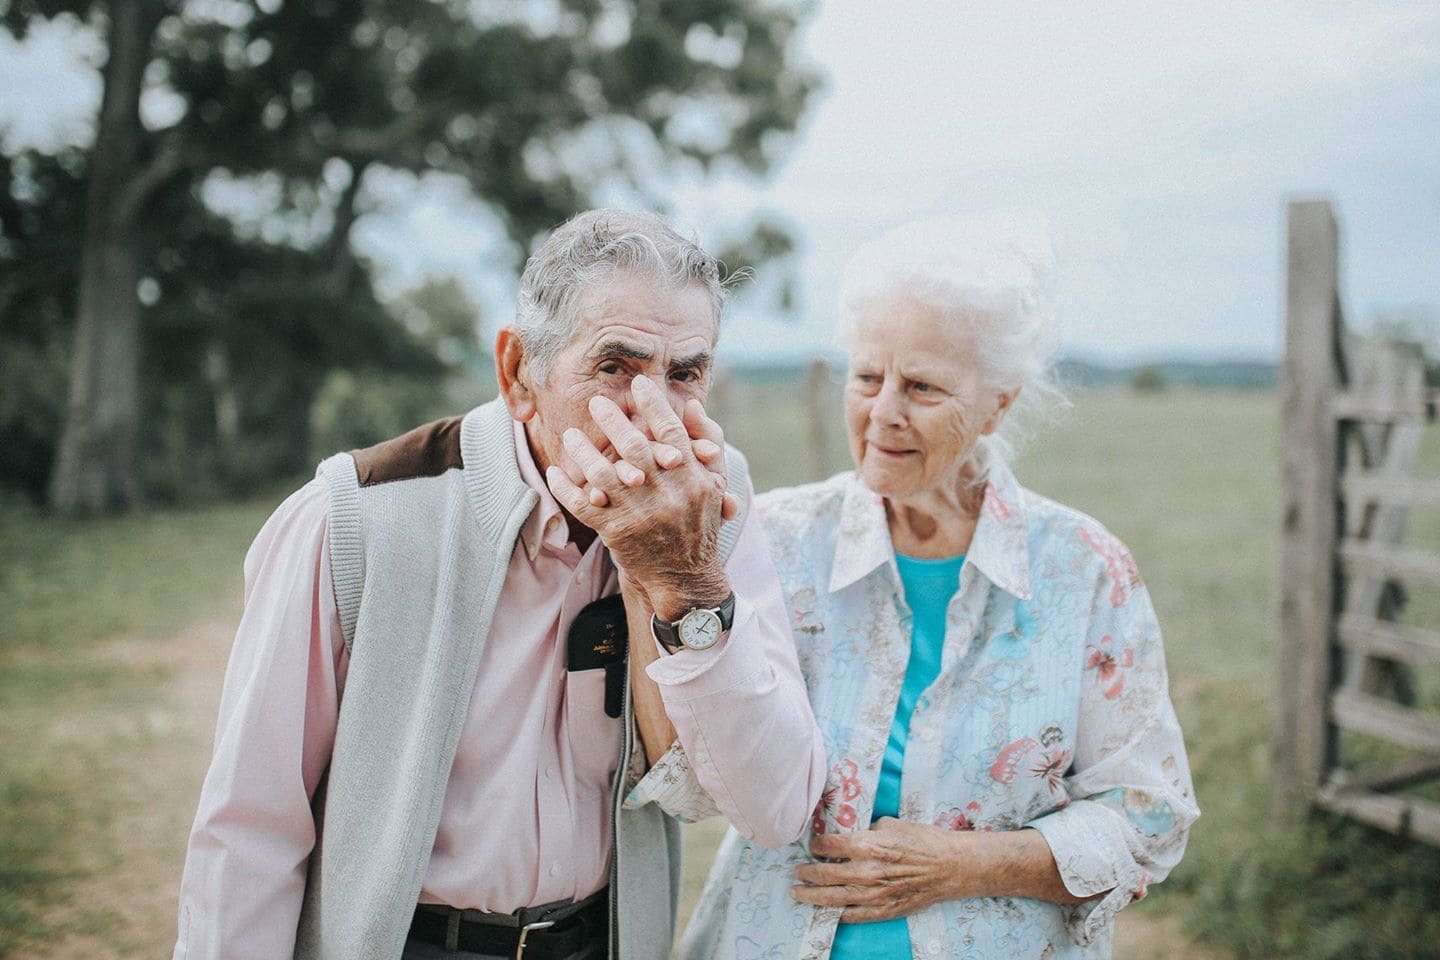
{"x": 40, "y": 219}
{"x": 356, "y": 411}
{"x": 536, "y": 108}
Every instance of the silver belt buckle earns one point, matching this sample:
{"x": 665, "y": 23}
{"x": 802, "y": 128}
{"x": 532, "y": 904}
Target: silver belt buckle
{"x": 525, "y": 934}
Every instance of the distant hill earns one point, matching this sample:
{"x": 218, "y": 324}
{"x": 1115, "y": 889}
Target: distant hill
{"x": 1216, "y": 375}
{"x": 1075, "y": 373}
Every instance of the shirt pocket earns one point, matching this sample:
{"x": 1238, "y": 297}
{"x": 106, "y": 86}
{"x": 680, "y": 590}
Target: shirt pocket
{"x": 594, "y": 737}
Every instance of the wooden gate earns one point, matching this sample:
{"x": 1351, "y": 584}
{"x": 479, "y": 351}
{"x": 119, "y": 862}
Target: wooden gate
{"x": 1351, "y": 732}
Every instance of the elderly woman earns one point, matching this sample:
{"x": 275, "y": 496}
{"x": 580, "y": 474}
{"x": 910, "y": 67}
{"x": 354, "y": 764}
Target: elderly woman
{"x": 984, "y": 663}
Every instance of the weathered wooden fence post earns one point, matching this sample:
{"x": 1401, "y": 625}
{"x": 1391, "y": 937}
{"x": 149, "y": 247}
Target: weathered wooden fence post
{"x": 1304, "y": 736}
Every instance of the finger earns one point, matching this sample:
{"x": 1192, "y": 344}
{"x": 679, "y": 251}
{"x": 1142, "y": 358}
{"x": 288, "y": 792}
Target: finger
{"x": 706, "y": 451}
{"x": 832, "y": 896}
{"x": 570, "y": 496}
{"x": 599, "y": 472}
{"x": 699, "y": 425}
{"x": 869, "y": 914}
{"x": 667, "y": 456}
{"x": 628, "y": 441}
{"x": 659, "y": 417}
{"x": 850, "y": 873}
{"x": 834, "y": 846}
{"x": 729, "y": 507}
{"x": 577, "y": 476}
{"x": 571, "y": 468}
{"x": 629, "y": 475}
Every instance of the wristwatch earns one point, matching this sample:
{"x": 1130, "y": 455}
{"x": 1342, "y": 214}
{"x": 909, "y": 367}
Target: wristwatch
{"x": 699, "y": 629}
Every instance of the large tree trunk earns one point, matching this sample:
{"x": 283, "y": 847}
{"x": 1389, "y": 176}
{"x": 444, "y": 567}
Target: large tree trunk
{"x": 95, "y": 467}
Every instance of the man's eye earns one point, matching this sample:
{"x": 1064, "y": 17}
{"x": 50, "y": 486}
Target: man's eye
{"x": 685, "y": 376}
{"x": 921, "y": 387}
{"x": 610, "y": 366}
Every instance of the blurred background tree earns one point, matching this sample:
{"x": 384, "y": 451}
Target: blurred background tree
{"x": 175, "y": 297}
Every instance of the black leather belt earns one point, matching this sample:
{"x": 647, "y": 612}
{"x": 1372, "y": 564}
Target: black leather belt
{"x": 555, "y": 931}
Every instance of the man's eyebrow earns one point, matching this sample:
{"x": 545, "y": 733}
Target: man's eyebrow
{"x": 696, "y": 361}
{"x": 623, "y": 349}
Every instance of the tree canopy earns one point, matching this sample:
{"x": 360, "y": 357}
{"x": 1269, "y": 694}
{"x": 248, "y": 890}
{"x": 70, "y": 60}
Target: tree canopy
{"x": 191, "y": 343}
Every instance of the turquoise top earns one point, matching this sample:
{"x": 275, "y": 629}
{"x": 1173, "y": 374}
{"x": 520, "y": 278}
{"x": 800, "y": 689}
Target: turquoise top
{"x": 928, "y": 585}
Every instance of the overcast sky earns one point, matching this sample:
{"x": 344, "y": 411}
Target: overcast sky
{"x": 1160, "y": 140}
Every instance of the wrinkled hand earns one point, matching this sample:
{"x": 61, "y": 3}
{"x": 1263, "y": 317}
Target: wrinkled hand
{"x": 707, "y": 444}
{"x": 658, "y": 507}
{"x": 894, "y": 869}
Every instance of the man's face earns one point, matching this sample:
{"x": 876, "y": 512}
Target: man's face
{"x": 629, "y": 324}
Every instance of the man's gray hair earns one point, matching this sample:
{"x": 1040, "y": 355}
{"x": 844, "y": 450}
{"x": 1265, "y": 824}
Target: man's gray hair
{"x": 589, "y": 247}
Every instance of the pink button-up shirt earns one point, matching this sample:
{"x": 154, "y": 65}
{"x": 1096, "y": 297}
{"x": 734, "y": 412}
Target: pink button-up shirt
{"x": 525, "y": 819}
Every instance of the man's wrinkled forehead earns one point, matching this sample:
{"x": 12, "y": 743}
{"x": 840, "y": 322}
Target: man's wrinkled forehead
{"x": 685, "y": 312}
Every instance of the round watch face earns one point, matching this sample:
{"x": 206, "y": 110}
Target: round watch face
{"x": 700, "y": 629}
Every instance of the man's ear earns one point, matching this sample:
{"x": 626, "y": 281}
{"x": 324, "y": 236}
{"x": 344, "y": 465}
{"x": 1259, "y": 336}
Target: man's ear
{"x": 512, "y": 373}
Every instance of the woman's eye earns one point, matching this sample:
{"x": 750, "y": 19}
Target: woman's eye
{"x": 920, "y": 387}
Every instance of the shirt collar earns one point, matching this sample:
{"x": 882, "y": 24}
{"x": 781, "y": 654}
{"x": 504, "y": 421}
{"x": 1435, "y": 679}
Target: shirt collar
{"x": 999, "y": 549}
{"x": 546, "y": 525}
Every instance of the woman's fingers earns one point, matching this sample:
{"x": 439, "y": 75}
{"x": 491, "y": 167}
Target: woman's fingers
{"x": 833, "y": 874}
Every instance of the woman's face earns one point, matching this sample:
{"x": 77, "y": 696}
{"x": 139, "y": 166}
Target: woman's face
{"x": 914, "y": 401}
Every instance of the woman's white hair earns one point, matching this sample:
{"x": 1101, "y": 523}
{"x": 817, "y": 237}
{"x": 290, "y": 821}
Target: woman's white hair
{"x": 989, "y": 275}
{"x": 590, "y": 247}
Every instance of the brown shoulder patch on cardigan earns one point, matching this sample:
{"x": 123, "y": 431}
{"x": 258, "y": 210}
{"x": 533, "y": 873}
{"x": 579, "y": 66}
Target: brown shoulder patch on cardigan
{"x": 426, "y": 451}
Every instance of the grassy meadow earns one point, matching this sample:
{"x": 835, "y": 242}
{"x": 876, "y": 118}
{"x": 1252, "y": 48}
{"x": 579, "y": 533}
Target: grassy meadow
{"x": 113, "y": 636}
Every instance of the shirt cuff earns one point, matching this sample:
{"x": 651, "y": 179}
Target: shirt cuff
{"x": 1089, "y": 843}
{"x": 672, "y": 784}
{"x": 691, "y": 674}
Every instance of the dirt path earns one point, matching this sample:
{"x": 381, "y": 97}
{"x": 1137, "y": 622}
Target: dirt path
{"x": 122, "y": 902}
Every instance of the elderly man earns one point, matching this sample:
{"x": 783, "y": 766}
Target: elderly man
{"x": 427, "y": 742}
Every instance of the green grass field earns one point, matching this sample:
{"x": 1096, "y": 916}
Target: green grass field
{"x": 1189, "y": 480}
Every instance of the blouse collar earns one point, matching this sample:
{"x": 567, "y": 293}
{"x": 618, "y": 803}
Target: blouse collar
{"x": 999, "y": 549}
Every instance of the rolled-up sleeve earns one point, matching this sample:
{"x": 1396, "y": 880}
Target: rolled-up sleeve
{"x": 1131, "y": 798}
{"x": 747, "y": 735}
{"x": 254, "y": 830}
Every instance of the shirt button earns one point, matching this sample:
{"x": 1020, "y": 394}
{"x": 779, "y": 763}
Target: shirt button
{"x": 579, "y": 578}
{"x": 549, "y": 773}
{"x": 555, "y": 870}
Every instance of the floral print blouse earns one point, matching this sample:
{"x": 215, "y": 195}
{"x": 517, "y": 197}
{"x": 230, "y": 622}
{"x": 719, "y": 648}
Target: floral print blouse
{"x": 1051, "y": 711}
